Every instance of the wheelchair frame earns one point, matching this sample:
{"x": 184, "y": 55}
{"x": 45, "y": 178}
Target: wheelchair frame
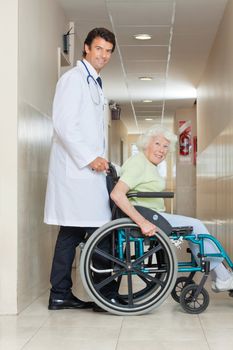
{"x": 194, "y": 298}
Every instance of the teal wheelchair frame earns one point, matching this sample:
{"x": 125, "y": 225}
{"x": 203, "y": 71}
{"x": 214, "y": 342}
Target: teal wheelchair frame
{"x": 192, "y": 297}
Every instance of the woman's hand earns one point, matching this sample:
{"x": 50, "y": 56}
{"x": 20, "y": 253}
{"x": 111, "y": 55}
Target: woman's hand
{"x": 118, "y": 195}
{"x": 147, "y": 228}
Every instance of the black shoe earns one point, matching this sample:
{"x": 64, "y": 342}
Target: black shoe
{"x": 97, "y": 308}
{"x": 70, "y": 303}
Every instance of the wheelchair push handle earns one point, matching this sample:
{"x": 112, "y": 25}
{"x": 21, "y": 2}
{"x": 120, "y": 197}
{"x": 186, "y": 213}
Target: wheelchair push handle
{"x": 112, "y": 171}
{"x": 151, "y": 194}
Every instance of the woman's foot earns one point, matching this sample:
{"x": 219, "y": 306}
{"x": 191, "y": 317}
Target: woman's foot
{"x": 222, "y": 286}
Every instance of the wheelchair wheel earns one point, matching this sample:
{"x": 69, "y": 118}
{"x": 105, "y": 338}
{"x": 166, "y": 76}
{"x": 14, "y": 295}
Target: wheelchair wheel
{"x": 181, "y": 282}
{"x": 191, "y": 303}
{"x": 118, "y": 257}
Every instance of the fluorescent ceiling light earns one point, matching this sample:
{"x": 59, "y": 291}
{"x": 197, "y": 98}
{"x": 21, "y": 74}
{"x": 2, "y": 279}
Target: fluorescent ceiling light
{"x": 142, "y": 36}
{"x": 147, "y": 101}
{"x": 148, "y": 119}
{"x": 145, "y": 78}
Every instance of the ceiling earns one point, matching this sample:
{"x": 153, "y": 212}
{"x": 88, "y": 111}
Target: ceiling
{"x": 182, "y": 33}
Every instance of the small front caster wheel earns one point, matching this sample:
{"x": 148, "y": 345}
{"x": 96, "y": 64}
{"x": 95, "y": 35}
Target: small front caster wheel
{"x": 181, "y": 282}
{"x": 192, "y": 303}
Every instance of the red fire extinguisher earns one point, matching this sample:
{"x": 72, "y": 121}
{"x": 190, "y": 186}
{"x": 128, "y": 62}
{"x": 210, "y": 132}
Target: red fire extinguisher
{"x": 185, "y": 137}
{"x": 184, "y": 144}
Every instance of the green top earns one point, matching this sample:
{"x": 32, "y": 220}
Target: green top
{"x": 140, "y": 175}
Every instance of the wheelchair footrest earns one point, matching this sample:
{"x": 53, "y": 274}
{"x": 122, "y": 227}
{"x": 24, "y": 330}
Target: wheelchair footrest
{"x": 182, "y": 231}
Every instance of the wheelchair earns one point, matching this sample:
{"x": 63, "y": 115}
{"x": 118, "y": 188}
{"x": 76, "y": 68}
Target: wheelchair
{"x": 143, "y": 270}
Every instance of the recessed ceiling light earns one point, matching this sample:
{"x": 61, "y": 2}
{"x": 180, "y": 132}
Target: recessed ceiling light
{"x": 147, "y": 101}
{"x": 145, "y": 78}
{"x": 148, "y": 119}
{"x": 142, "y": 36}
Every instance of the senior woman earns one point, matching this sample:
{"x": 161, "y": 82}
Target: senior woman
{"x": 140, "y": 174}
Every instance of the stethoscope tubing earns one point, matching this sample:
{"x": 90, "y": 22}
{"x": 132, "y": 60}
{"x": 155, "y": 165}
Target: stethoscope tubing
{"x": 89, "y": 76}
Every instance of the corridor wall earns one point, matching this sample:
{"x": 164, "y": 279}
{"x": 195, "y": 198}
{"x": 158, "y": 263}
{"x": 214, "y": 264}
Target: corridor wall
{"x": 28, "y": 67}
{"x": 8, "y": 156}
{"x": 41, "y": 26}
{"x": 215, "y": 136}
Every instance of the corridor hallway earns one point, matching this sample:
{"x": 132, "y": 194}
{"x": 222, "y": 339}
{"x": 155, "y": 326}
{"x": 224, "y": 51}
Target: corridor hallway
{"x": 31, "y": 63}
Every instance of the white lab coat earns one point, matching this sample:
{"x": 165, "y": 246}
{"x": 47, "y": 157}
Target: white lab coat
{"x": 76, "y": 195}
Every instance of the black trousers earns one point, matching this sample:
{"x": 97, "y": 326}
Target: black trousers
{"x": 67, "y": 241}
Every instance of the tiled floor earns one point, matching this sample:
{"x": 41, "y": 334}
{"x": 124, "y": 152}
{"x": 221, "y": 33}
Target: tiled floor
{"x": 168, "y": 327}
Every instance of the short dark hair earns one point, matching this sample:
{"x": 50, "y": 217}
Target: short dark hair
{"x": 102, "y": 33}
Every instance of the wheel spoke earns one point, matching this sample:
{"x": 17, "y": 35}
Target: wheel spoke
{"x": 109, "y": 279}
{"x": 148, "y": 254}
{"x": 128, "y": 250}
{"x": 130, "y": 289}
{"x": 109, "y": 257}
{"x": 149, "y": 277}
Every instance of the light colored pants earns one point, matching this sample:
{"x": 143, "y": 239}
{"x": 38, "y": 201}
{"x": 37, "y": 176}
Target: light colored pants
{"x": 198, "y": 228}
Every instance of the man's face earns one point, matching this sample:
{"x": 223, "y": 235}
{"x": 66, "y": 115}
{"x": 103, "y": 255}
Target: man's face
{"x": 99, "y": 53}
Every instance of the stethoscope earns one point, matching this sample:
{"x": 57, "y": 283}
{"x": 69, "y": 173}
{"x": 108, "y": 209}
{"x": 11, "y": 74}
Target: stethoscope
{"x": 93, "y": 86}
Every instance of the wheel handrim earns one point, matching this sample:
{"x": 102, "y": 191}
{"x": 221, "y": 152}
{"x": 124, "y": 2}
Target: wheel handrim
{"x": 157, "y": 285}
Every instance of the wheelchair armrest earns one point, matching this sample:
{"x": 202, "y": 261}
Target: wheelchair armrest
{"x": 151, "y": 194}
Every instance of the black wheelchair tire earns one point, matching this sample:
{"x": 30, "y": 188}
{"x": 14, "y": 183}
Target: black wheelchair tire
{"x": 196, "y": 306}
{"x": 180, "y": 284}
{"x": 137, "y": 308}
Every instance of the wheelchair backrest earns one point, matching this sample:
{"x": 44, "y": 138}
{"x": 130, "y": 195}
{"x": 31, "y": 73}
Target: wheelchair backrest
{"x": 111, "y": 180}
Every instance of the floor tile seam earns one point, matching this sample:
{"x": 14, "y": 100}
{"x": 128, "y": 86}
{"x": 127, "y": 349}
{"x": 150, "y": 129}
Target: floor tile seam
{"x": 24, "y": 310}
{"x": 118, "y": 338}
{"x": 35, "y": 333}
{"x": 204, "y": 333}
{"x": 80, "y": 327}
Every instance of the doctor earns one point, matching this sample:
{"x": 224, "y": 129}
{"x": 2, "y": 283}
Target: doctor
{"x": 77, "y": 198}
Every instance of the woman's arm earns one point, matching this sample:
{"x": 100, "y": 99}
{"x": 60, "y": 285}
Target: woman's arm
{"x": 118, "y": 195}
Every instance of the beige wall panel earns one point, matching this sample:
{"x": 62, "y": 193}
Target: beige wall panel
{"x": 215, "y": 103}
{"x": 35, "y": 239}
{"x": 215, "y": 189}
{"x": 41, "y": 25}
{"x": 186, "y": 171}
{"x": 118, "y": 137}
{"x": 215, "y": 137}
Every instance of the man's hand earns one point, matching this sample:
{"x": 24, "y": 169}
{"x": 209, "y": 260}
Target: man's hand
{"x": 99, "y": 164}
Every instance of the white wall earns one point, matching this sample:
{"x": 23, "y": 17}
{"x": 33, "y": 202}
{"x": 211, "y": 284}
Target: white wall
{"x": 8, "y": 155}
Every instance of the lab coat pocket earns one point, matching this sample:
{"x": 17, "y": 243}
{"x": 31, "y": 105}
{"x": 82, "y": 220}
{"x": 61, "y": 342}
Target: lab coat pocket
{"x": 74, "y": 172}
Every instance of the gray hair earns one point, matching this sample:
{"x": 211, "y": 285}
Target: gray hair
{"x": 154, "y": 131}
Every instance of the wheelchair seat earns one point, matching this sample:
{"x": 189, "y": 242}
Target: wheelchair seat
{"x": 182, "y": 231}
